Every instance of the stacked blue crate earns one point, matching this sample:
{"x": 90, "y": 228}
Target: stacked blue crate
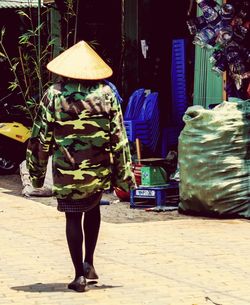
{"x": 152, "y": 116}
{"x": 135, "y": 103}
{"x": 178, "y": 81}
{"x": 133, "y": 112}
{"x": 179, "y": 102}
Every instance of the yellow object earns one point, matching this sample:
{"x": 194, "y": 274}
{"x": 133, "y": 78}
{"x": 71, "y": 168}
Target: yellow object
{"x": 15, "y": 131}
{"x": 80, "y": 62}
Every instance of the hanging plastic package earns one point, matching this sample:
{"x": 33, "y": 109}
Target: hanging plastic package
{"x": 214, "y": 161}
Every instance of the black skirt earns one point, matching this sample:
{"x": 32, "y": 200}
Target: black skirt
{"x": 79, "y": 205}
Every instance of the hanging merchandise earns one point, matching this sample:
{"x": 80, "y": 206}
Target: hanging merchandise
{"x": 224, "y": 29}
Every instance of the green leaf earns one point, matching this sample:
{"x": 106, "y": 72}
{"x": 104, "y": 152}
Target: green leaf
{"x": 31, "y": 101}
{"x": 2, "y": 32}
{"x": 52, "y": 42}
{"x": 20, "y": 107}
{"x": 22, "y": 13}
{"x": 12, "y": 86}
{"x": 39, "y": 27}
{"x": 31, "y": 32}
{"x": 2, "y": 55}
{"x": 13, "y": 68}
{"x": 24, "y": 38}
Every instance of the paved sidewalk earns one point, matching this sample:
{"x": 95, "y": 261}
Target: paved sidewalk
{"x": 190, "y": 261}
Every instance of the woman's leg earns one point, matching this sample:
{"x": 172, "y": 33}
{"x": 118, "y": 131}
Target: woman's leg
{"x": 74, "y": 236}
{"x": 91, "y": 225}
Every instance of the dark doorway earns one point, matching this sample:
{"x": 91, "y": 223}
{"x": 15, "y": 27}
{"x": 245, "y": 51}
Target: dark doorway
{"x": 99, "y": 23}
{"x": 160, "y": 23}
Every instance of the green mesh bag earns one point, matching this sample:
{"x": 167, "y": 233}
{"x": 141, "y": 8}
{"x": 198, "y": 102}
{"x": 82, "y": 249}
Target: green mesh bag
{"x": 214, "y": 160}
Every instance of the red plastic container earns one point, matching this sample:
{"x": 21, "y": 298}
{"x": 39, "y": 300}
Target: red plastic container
{"x": 125, "y": 196}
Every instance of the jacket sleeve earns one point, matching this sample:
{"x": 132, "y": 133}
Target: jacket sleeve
{"x": 40, "y": 142}
{"x": 122, "y": 175}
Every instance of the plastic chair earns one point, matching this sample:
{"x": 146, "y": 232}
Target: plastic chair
{"x": 135, "y": 103}
{"x": 146, "y": 128}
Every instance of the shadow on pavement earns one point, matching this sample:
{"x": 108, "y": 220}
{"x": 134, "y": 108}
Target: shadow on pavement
{"x": 56, "y": 287}
{"x": 11, "y": 184}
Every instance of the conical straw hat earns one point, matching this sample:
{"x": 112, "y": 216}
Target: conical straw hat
{"x": 81, "y": 62}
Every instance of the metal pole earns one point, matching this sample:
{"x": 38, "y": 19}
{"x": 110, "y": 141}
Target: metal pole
{"x": 123, "y": 46}
{"x": 224, "y": 76}
{"x": 76, "y": 20}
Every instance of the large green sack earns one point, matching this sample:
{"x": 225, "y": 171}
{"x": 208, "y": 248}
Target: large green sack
{"x": 214, "y": 161}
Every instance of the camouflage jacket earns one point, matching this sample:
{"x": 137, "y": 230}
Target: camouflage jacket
{"x": 82, "y": 127}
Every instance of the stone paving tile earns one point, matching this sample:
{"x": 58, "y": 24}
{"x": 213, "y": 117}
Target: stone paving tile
{"x": 178, "y": 262}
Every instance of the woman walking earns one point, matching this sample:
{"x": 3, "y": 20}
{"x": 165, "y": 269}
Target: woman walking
{"x": 79, "y": 122}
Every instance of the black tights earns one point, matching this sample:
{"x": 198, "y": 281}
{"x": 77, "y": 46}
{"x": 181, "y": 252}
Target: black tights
{"x": 74, "y": 234}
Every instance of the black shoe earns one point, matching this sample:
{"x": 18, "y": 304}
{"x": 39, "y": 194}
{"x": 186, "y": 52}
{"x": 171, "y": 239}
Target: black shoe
{"x": 89, "y": 271}
{"x": 78, "y": 284}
